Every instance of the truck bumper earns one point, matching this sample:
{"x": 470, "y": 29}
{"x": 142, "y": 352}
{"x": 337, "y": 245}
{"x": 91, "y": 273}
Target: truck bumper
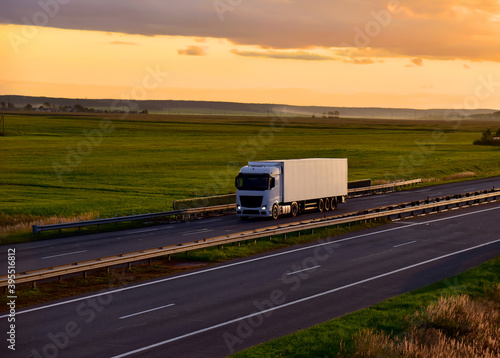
{"x": 252, "y": 212}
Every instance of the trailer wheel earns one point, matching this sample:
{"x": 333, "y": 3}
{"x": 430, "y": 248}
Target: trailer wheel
{"x": 295, "y": 209}
{"x": 327, "y": 204}
{"x": 276, "y": 211}
{"x": 321, "y": 205}
{"x": 333, "y": 203}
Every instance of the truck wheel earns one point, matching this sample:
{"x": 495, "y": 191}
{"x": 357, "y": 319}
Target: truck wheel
{"x": 327, "y": 204}
{"x": 276, "y": 211}
{"x": 321, "y": 205}
{"x": 333, "y": 203}
{"x": 295, "y": 209}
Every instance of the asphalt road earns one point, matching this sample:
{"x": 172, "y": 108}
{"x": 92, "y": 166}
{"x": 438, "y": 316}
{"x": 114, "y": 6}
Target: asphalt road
{"x": 47, "y": 253}
{"x": 221, "y": 309}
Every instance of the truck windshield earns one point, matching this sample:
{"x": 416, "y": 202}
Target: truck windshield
{"x": 252, "y": 182}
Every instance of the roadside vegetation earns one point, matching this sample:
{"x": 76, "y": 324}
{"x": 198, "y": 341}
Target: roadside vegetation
{"x": 69, "y": 167}
{"x": 489, "y": 138}
{"x": 455, "y": 326}
{"x": 457, "y": 317}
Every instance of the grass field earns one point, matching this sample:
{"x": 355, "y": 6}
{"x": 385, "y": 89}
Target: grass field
{"x": 81, "y": 166}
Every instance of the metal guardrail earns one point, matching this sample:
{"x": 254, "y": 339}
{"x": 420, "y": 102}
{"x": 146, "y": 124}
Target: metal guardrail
{"x": 385, "y": 187}
{"x": 375, "y": 213}
{"x": 194, "y": 211}
{"x": 172, "y": 213}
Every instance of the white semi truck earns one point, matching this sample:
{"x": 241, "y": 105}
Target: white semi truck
{"x": 278, "y": 187}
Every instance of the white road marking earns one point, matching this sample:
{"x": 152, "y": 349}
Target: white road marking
{"x": 202, "y": 231}
{"x": 68, "y": 253}
{"x": 306, "y": 269}
{"x": 423, "y": 190}
{"x": 216, "y": 268}
{"x": 151, "y": 310}
{"x": 209, "y": 221}
{"x": 406, "y": 243}
{"x": 304, "y": 299}
{"x": 149, "y": 230}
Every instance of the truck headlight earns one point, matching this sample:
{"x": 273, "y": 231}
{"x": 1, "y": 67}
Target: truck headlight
{"x": 264, "y": 208}
{"x": 238, "y": 207}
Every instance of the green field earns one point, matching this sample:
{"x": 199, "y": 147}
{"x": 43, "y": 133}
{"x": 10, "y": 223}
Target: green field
{"x": 71, "y": 165}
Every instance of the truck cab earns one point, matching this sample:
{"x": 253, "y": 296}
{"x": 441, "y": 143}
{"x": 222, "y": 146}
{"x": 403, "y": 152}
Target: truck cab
{"x": 258, "y": 190}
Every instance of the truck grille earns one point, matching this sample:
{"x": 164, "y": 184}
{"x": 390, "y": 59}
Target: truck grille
{"x": 251, "y": 201}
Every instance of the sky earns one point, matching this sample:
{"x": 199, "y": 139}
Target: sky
{"x": 357, "y": 53}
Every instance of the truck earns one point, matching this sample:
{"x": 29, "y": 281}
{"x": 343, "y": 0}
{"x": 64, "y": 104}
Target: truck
{"x": 272, "y": 188}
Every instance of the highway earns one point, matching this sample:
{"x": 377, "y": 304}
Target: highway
{"x": 225, "y": 308}
{"x": 47, "y": 253}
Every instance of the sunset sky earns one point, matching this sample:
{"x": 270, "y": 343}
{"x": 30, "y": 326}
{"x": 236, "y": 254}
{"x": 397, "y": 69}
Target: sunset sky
{"x": 363, "y": 53}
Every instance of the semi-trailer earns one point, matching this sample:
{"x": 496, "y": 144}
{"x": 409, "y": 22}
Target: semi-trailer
{"x": 278, "y": 187}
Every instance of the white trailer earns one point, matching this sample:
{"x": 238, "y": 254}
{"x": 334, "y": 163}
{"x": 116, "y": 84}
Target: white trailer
{"x": 276, "y": 187}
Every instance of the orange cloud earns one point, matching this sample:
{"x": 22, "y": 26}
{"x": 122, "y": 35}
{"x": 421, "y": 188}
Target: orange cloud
{"x": 192, "y": 51}
{"x": 294, "y": 55}
{"x": 363, "y": 61}
{"x": 417, "y": 61}
{"x": 123, "y": 43}
{"x": 428, "y": 29}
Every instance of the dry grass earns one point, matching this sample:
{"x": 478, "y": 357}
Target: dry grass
{"x": 23, "y": 223}
{"x": 460, "y": 176}
{"x": 453, "y": 327}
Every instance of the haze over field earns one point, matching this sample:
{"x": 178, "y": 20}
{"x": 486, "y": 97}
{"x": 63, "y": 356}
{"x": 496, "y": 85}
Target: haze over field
{"x": 368, "y": 53}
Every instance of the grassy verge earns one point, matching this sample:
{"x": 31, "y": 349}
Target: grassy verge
{"x": 454, "y": 326}
{"x": 387, "y": 321}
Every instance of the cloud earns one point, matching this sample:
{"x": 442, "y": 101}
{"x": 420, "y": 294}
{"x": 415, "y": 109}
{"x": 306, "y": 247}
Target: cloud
{"x": 428, "y": 29}
{"x": 294, "y": 55}
{"x": 192, "y": 51}
{"x": 417, "y": 61}
{"x": 362, "y": 61}
{"x": 123, "y": 43}
{"x": 347, "y": 57}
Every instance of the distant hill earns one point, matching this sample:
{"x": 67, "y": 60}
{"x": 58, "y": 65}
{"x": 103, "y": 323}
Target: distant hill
{"x": 227, "y": 108}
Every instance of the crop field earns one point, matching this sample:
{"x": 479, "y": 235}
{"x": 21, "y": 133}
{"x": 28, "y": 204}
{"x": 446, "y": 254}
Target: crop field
{"x": 70, "y": 166}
